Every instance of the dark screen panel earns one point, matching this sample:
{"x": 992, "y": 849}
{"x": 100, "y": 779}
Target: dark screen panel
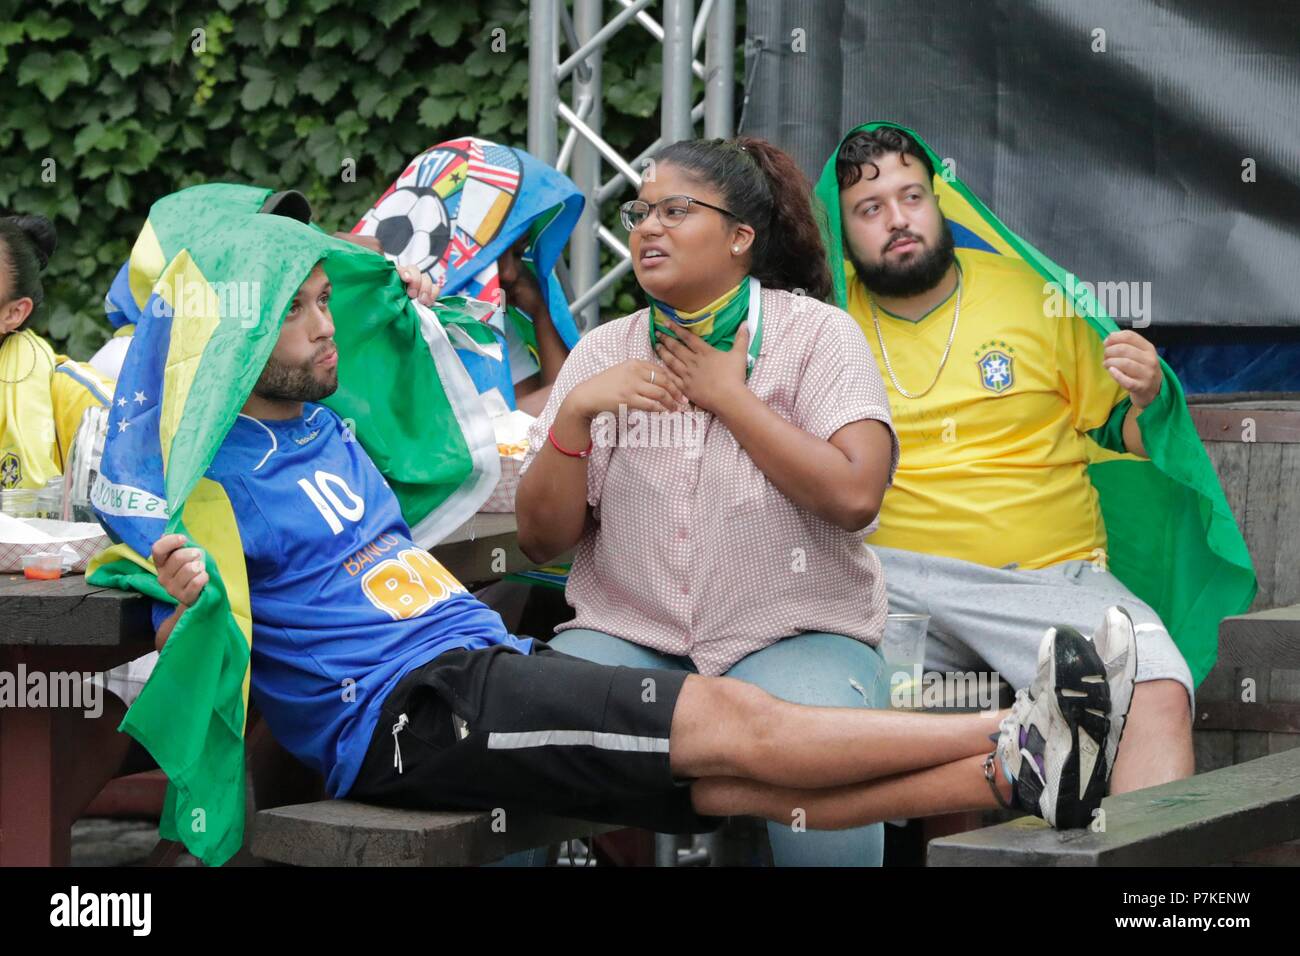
{"x": 1123, "y": 164}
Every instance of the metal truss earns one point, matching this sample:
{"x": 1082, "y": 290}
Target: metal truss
{"x": 584, "y": 153}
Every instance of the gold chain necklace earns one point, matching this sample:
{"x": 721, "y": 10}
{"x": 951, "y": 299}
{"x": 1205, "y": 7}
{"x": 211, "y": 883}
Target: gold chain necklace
{"x": 884, "y": 353}
{"x": 31, "y": 368}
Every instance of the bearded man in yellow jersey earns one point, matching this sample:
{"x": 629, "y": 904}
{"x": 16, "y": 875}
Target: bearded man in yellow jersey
{"x": 992, "y": 526}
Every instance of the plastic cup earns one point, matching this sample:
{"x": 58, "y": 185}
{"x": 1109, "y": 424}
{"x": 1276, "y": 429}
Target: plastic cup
{"x": 49, "y": 500}
{"x": 903, "y": 648}
{"x": 43, "y": 567}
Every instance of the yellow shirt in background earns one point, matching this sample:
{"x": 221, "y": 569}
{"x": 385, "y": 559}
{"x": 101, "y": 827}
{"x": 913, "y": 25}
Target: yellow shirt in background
{"x": 993, "y": 458}
{"x": 42, "y": 399}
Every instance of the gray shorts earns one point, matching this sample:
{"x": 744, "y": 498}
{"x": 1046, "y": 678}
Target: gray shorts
{"x": 985, "y": 618}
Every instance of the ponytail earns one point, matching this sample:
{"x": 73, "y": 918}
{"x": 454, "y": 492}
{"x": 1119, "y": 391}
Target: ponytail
{"x": 26, "y": 244}
{"x": 766, "y": 190}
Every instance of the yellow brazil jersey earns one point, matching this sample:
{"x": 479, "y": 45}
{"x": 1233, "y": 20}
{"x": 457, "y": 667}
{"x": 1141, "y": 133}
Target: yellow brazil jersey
{"x": 994, "y": 457}
{"x": 42, "y": 399}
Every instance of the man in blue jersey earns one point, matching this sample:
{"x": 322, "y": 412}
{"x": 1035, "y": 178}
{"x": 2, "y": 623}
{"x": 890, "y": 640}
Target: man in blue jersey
{"x": 374, "y": 666}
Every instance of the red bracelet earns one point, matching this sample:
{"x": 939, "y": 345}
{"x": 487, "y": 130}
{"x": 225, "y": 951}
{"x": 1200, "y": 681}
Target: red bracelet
{"x": 564, "y": 451}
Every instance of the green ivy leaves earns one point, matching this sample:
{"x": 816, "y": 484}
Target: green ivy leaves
{"x": 110, "y": 105}
{"x": 52, "y": 72}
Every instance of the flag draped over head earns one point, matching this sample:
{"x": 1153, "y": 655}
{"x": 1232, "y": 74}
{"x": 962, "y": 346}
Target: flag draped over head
{"x": 452, "y": 213}
{"x": 211, "y": 280}
{"x": 1172, "y": 538}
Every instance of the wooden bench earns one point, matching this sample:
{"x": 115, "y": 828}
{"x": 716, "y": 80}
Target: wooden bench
{"x": 1254, "y": 444}
{"x": 1248, "y": 708}
{"x": 346, "y": 833}
{"x": 1248, "y": 807}
{"x": 1209, "y": 818}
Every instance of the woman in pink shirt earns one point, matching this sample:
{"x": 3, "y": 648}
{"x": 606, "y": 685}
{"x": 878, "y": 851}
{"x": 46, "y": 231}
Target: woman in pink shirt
{"x": 718, "y": 457}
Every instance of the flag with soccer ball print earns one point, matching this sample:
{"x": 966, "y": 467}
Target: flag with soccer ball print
{"x": 452, "y": 213}
{"x": 223, "y": 277}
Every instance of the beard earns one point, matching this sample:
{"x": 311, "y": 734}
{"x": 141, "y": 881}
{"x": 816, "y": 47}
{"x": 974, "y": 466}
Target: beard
{"x": 280, "y": 381}
{"x": 920, "y": 273}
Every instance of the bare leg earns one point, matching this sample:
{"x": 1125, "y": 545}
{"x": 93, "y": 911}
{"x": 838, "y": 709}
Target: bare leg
{"x": 727, "y": 728}
{"x": 1157, "y": 743}
{"x": 949, "y": 788}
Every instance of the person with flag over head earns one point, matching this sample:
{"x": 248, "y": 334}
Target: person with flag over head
{"x": 1049, "y": 468}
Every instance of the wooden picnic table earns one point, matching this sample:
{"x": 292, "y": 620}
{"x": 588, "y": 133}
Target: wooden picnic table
{"x": 62, "y": 625}
{"x": 68, "y": 625}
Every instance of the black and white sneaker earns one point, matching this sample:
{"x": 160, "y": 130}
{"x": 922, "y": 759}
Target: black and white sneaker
{"x": 1051, "y": 744}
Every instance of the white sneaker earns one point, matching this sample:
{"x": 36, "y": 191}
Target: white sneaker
{"x": 1116, "y": 643}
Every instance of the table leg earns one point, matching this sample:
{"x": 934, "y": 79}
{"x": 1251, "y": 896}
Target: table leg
{"x": 30, "y": 833}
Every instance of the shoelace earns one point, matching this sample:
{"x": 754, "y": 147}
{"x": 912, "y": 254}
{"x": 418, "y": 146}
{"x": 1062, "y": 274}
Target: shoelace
{"x": 1010, "y": 727}
{"x": 398, "y": 727}
{"x": 1020, "y": 711}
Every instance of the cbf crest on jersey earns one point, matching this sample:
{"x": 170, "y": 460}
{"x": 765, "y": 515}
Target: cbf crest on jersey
{"x": 996, "y": 363}
{"x": 11, "y": 471}
{"x": 452, "y": 213}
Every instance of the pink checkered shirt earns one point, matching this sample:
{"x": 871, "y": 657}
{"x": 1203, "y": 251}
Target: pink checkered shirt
{"x": 694, "y": 552}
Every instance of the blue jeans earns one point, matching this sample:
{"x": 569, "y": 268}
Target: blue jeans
{"x": 811, "y": 668}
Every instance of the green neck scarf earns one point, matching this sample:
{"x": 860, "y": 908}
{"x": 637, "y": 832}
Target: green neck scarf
{"x": 719, "y": 321}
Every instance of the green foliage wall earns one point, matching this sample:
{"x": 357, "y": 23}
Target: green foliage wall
{"x": 106, "y": 106}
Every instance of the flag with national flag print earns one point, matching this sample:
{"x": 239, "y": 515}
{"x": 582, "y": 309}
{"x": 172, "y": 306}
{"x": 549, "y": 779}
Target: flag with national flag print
{"x": 494, "y": 165}
{"x": 453, "y": 211}
{"x": 220, "y": 277}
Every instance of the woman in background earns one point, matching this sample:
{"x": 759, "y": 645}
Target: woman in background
{"x": 42, "y": 395}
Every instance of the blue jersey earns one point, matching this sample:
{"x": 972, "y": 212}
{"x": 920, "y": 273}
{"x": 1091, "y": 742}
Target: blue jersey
{"x": 343, "y": 601}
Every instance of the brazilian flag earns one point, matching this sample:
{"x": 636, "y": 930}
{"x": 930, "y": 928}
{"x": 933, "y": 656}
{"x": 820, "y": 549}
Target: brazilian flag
{"x": 1172, "y": 538}
{"x": 212, "y": 279}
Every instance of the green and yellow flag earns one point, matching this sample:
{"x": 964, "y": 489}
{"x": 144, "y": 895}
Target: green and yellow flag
{"x": 1172, "y": 538}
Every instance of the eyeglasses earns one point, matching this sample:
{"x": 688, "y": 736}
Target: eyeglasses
{"x": 671, "y": 210}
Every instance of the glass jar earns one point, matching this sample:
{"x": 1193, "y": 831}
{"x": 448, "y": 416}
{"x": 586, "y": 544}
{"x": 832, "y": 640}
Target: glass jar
{"x": 19, "y": 502}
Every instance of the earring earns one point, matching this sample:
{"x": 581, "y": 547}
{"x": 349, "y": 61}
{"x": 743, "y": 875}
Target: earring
{"x": 735, "y": 250}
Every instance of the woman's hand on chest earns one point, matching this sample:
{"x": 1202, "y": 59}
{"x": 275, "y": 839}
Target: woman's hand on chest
{"x": 710, "y": 378}
{"x": 633, "y": 384}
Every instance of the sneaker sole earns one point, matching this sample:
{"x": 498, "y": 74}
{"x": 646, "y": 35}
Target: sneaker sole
{"x": 1082, "y": 699}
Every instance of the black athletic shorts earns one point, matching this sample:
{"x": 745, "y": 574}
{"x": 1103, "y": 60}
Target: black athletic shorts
{"x": 544, "y": 732}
